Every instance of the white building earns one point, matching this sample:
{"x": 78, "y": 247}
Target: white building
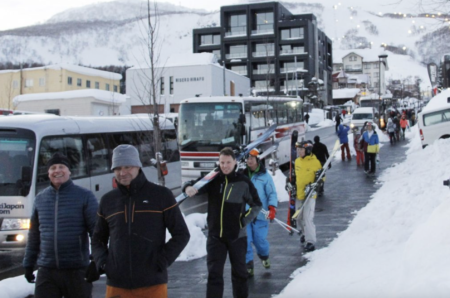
{"x": 181, "y": 77}
{"x": 366, "y": 62}
{"x": 87, "y": 102}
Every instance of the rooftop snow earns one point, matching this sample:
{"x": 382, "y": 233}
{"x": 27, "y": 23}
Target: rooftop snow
{"x": 74, "y": 68}
{"x": 439, "y": 101}
{"x": 345, "y": 93}
{"x": 102, "y": 95}
{"x": 189, "y": 59}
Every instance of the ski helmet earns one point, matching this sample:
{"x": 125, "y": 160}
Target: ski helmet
{"x": 307, "y": 145}
{"x": 255, "y": 153}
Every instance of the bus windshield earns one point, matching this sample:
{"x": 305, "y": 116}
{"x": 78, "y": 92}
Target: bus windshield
{"x": 369, "y": 103}
{"x": 209, "y": 126}
{"x": 17, "y": 147}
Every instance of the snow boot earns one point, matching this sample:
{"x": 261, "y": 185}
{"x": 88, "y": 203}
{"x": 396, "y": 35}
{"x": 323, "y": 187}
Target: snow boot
{"x": 250, "y": 269}
{"x": 266, "y": 263}
{"x": 309, "y": 247}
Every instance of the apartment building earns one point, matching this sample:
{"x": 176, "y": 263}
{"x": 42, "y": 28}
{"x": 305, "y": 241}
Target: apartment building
{"x": 279, "y": 51}
{"x": 54, "y": 78}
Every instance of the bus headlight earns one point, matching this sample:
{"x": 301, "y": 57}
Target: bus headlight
{"x": 10, "y": 224}
{"x": 352, "y": 125}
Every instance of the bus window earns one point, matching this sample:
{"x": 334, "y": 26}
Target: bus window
{"x": 258, "y": 112}
{"x": 72, "y": 147}
{"x": 436, "y": 117}
{"x": 97, "y": 151}
{"x": 291, "y": 114}
{"x": 281, "y": 113}
{"x": 143, "y": 141}
{"x": 170, "y": 146}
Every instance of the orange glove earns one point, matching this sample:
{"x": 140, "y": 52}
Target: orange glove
{"x": 272, "y": 212}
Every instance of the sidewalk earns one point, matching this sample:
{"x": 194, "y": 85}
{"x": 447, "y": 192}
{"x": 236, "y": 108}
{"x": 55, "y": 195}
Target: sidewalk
{"x": 347, "y": 189}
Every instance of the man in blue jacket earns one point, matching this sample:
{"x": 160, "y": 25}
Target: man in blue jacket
{"x": 343, "y": 138}
{"x": 63, "y": 215}
{"x": 257, "y": 230}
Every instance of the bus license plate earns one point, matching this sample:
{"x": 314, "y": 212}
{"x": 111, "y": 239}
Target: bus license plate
{"x": 207, "y": 165}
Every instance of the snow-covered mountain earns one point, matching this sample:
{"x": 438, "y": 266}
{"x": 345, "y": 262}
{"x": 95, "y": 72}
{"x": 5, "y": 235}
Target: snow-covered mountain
{"x": 113, "y": 33}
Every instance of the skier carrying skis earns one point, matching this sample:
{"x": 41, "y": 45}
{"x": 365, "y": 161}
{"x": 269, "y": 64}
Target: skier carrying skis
{"x": 227, "y": 195}
{"x": 257, "y": 230}
{"x": 306, "y": 166}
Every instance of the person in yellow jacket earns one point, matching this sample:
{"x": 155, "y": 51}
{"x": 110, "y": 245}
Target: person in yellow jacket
{"x": 306, "y": 166}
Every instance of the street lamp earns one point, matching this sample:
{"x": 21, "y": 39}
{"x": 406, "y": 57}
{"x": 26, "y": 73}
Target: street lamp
{"x": 380, "y": 57}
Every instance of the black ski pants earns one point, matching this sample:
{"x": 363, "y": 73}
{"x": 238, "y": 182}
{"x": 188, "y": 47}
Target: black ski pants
{"x": 57, "y": 283}
{"x": 217, "y": 249}
{"x": 370, "y": 157}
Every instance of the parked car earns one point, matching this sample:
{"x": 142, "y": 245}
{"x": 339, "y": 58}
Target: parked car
{"x": 361, "y": 115}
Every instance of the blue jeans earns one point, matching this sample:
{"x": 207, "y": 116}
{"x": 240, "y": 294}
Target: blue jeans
{"x": 257, "y": 234}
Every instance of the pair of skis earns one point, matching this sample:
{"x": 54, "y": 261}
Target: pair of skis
{"x": 313, "y": 186}
{"x": 240, "y": 158}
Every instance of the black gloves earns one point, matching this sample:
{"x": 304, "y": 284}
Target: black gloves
{"x": 91, "y": 273}
{"x": 29, "y": 275}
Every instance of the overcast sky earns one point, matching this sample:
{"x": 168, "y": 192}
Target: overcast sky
{"x": 21, "y": 13}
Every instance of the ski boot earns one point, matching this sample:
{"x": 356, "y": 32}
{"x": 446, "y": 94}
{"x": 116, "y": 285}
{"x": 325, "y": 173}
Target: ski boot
{"x": 309, "y": 247}
{"x": 266, "y": 263}
{"x": 250, "y": 269}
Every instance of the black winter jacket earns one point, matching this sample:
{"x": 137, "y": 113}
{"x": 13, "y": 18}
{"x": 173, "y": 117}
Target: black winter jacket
{"x": 59, "y": 227}
{"x": 134, "y": 220}
{"x": 321, "y": 152}
{"x": 227, "y": 196}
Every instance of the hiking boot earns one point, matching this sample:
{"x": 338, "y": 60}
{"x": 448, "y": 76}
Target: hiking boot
{"x": 250, "y": 269}
{"x": 266, "y": 263}
{"x": 309, "y": 247}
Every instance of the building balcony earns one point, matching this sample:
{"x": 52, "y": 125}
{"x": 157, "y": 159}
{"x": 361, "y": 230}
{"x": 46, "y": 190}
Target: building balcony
{"x": 289, "y": 70}
{"x": 236, "y": 55}
{"x": 262, "y": 31}
{"x": 241, "y": 72}
{"x": 264, "y": 54}
{"x": 209, "y": 44}
{"x": 235, "y": 33}
{"x": 263, "y": 89}
{"x": 292, "y": 52}
{"x": 263, "y": 71}
{"x": 353, "y": 69}
{"x": 293, "y": 38}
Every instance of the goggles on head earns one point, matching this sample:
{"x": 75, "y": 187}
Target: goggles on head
{"x": 254, "y": 152}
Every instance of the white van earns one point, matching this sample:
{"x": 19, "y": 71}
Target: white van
{"x": 434, "y": 120}
{"x": 361, "y": 115}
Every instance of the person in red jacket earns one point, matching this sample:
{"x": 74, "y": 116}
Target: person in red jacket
{"x": 403, "y": 125}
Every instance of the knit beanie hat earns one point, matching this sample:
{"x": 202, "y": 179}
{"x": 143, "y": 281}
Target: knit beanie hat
{"x": 58, "y": 158}
{"x": 125, "y": 155}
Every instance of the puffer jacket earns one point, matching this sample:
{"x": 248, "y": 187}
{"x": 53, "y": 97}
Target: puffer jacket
{"x": 263, "y": 183}
{"x": 60, "y": 223}
{"x": 134, "y": 220}
{"x": 227, "y": 198}
{"x": 373, "y": 140}
{"x": 390, "y": 127}
{"x": 343, "y": 133}
{"x": 305, "y": 171}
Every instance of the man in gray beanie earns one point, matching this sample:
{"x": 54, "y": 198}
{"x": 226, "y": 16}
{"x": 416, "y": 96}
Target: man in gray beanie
{"x": 129, "y": 241}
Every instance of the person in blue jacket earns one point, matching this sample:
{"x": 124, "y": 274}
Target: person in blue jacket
{"x": 370, "y": 137}
{"x": 343, "y": 138}
{"x": 258, "y": 229}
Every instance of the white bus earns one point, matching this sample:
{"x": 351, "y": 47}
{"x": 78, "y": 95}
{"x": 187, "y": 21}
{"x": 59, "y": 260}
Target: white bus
{"x": 434, "y": 120}
{"x": 208, "y": 124}
{"x": 28, "y": 141}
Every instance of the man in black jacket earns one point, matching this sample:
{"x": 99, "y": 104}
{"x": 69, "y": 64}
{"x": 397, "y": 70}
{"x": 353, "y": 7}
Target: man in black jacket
{"x": 227, "y": 195}
{"x": 320, "y": 150}
{"x": 133, "y": 218}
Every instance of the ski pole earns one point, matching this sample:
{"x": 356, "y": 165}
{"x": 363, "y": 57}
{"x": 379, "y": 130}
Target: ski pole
{"x": 281, "y": 223}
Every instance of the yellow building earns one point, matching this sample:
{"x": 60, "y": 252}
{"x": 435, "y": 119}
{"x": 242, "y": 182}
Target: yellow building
{"x": 54, "y": 78}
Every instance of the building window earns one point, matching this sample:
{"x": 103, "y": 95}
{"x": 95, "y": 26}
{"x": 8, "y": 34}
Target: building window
{"x": 236, "y": 25}
{"x": 210, "y": 39}
{"x": 29, "y": 83}
{"x": 15, "y": 84}
{"x": 107, "y": 87}
{"x": 161, "y": 88}
{"x": 263, "y": 69}
{"x": 217, "y": 53}
{"x": 116, "y": 89}
{"x": 264, "y": 50}
{"x": 69, "y": 80}
{"x": 53, "y": 111}
{"x": 41, "y": 82}
{"x": 263, "y": 23}
{"x": 367, "y": 66}
{"x": 292, "y": 33}
{"x": 238, "y": 51}
{"x": 79, "y": 82}
{"x": 240, "y": 69}
{"x": 291, "y": 50}
{"x": 291, "y": 66}
{"x": 97, "y": 85}
{"x": 88, "y": 84}
{"x": 171, "y": 85}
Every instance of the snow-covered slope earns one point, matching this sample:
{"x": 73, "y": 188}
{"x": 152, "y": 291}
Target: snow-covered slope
{"x": 113, "y": 32}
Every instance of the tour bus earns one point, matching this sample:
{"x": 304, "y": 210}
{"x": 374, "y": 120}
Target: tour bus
{"x": 434, "y": 120}
{"x": 28, "y": 141}
{"x": 208, "y": 124}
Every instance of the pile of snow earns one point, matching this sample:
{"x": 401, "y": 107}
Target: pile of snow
{"x": 396, "y": 246}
